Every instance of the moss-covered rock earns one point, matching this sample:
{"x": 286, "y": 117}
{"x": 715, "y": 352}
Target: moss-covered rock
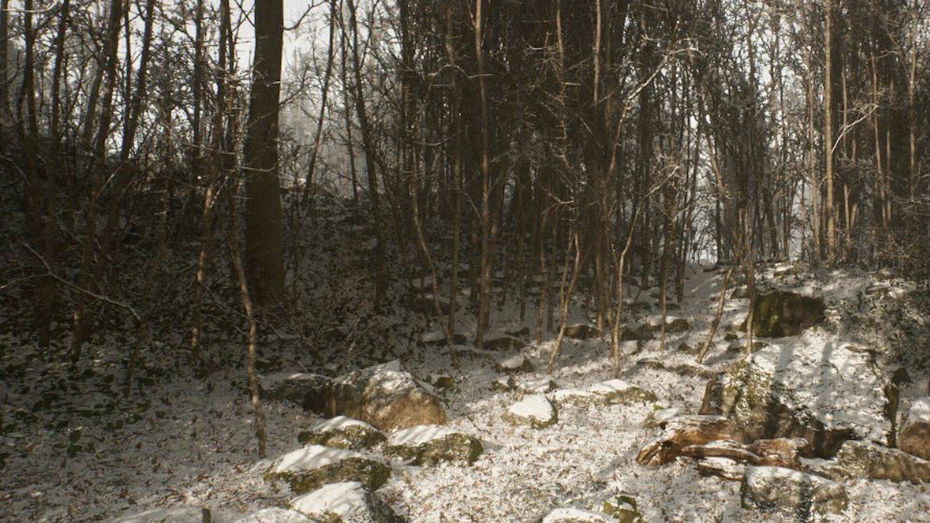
{"x": 623, "y": 509}
{"x": 864, "y": 459}
{"x": 313, "y": 466}
{"x": 344, "y": 433}
{"x": 779, "y": 313}
{"x": 431, "y": 444}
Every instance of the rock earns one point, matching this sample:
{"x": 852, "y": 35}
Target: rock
{"x": 174, "y": 515}
{"x": 808, "y": 390}
{"x": 782, "y": 452}
{"x": 726, "y": 448}
{"x": 682, "y": 432}
{"x": 730, "y": 336}
{"x": 503, "y": 344}
{"x": 297, "y": 387}
{"x": 797, "y": 493}
{"x": 575, "y": 515}
{"x": 271, "y": 515}
{"x": 623, "y": 509}
{"x": 914, "y": 437}
{"x": 518, "y": 331}
{"x": 384, "y": 396}
{"x": 535, "y": 410}
{"x": 344, "y": 502}
{"x": 441, "y": 381}
{"x": 723, "y": 468}
{"x": 864, "y": 459}
{"x": 672, "y": 324}
{"x": 538, "y": 386}
{"x": 431, "y": 444}
{"x": 618, "y": 391}
{"x": 344, "y": 433}
{"x": 678, "y": 367}
{"x": 639, "y": 307}
{"x": 660, "y": 417}
{"x": 504, "y": 384}
{"x": 582, "y": 331}
{"x": 779, "y": 313}
{"x": 438, "y": 339}
{"x": 313, "y": 466}
{"x": 640, "y": 333}
{"x": 688, "y": 349}
{"x": 514, "y": 364}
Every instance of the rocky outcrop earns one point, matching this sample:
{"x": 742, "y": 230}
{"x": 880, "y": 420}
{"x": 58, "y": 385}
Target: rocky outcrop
{"x": 384, "y": 396}
{"x": 808, "y": 389}
{"x": 344, "y": 433}
{"x": 799, "y": 494}
{"x": 535, "y": 410}
{"x": 780, "y": 313}
{"x": 346, "y": 502}
{"x": 432, "y": 444}
{"x": 864, "y": 459}
{"x": 313, "y": 466}
{"x": 685, "y": 431}
{"x": 914, "y": 437}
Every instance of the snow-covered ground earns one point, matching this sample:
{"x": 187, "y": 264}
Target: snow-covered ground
{"x": 74, "y": 447}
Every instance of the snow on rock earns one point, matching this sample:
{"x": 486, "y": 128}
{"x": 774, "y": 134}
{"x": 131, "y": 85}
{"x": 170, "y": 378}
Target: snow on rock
{"x": 432, "y": 444}
{"x": 915, "y": 433}
{"x": 535, "y": 410}
{"x": 344, "y": 433}
{"x": 797, "y": 493}
{"x": 864, "y": 459}
{"x": 811, "y": 387}
{"x": 537, "y": 386}
{"x": 348, "y": 502}
{"x": 384, "y": 396}
{"x": 576, "y": 515}
{"x": 314, "y": 465}
{"x": 724, "y": 468}
{"x": 514, "y": 364}
{"x": 297, "y": 387}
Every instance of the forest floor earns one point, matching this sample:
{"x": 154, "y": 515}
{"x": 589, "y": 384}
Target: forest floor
{"x": 74, "y": 447}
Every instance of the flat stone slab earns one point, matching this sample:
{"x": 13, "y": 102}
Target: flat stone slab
{"x": 344, "y": 433}
{"x": 432, "y": 444}
{"x": 313, "y": 466}
{"x": 535, "y": 410}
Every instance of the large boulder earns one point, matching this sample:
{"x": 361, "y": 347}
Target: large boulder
{"x": 780, "y": 313}
{"x": 914, "y": 437}
{"x": 811, "y": 388}
{"x": 432, "y": 444}
{"x": 799, "y": 494}
{"x": 384, "y": 396}
{"x": 344, "y": 433}
{"x": 346, "y": 502}
{"x": 313, "y": 466}
{"x": 534, "y": 410}
{"x": 864, "y": 459}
